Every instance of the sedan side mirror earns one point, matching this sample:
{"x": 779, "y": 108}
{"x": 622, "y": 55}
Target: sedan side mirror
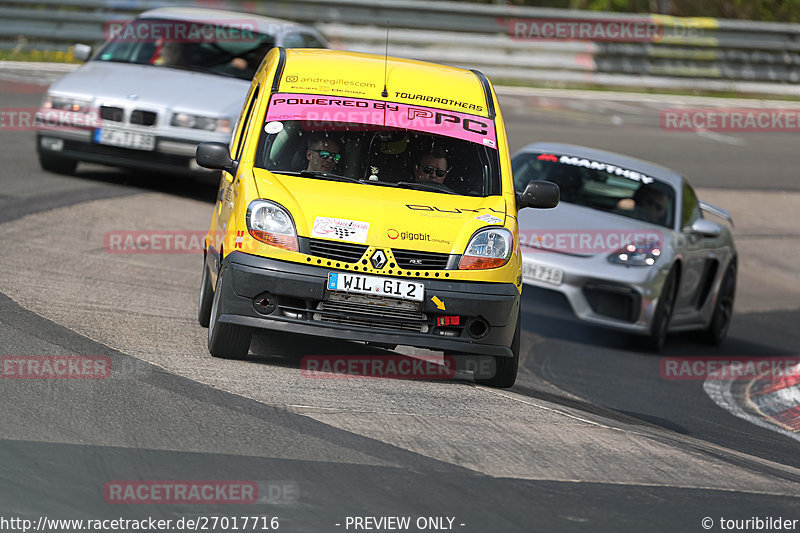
{"x": 706, "y": 228}
{"x": 214, "y": 155}
{"x": 539, "y": 194}
{"x": 82, "y": 52}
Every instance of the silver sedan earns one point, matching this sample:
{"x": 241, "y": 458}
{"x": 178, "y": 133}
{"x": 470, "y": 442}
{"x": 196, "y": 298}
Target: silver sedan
{"x": 628, "y": 246}
{"x": 163, "y": 83}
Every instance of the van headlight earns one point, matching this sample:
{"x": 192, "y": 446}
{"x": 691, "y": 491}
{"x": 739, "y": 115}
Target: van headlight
{"x": 271, "y": 224}
{"x": 199, "y": 122}
{"x": 488, "y": 248}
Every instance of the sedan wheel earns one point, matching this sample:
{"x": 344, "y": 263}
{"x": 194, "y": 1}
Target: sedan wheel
{"x": 56, "y": 164}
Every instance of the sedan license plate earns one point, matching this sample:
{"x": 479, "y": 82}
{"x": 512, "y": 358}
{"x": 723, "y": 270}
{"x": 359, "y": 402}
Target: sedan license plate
{"x": 546, "y": 274}
{"x": 125, "y": 138}
{"x": 394, "y": 288}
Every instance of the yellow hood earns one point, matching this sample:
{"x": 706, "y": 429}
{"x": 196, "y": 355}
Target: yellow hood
{"x": 382, "y": 216}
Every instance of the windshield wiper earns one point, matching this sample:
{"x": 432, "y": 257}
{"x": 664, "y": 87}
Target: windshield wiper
{"x": 318, "y": 174}
{"x": 425, "y": 187}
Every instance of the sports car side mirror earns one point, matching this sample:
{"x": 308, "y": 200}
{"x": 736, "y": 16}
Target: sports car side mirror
{"x": 539, "y": 194}
{"x": 706, "y": 228}
{"x": 214, "y": 155}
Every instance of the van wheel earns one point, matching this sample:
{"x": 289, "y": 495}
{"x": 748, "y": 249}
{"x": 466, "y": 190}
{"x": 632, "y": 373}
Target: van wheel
{"x": 57, "y": 165}
{"x": 228, "y": 341}
{"x": 723, "y": 310}
{"x": 206, "y": 296}
{"x": 506, "y": 367}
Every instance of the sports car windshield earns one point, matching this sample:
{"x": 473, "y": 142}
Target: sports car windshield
{"x": 234, "y": 51}
{"x": 599, "y": 185}
{"x": 377, "y": 143}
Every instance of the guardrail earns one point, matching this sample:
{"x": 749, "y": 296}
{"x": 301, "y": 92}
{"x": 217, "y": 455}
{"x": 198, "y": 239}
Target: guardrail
{"x": 688, "y": 51}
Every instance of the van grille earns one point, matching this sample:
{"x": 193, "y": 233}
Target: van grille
{"x": 338, "y": 251}
{"x": 372, "y": 312}
{"x": 421, "y": 260}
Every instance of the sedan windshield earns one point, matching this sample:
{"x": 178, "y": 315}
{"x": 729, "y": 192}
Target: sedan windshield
{"x": 599, "y": 185}
{"x": 380, "y": 143}
{"x": 202, "y": 47}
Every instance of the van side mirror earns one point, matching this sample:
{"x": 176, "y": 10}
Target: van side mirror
{"x": 214, "y": 155}
{"x": 539, "y": 194}
{"x": 82, "y": 52}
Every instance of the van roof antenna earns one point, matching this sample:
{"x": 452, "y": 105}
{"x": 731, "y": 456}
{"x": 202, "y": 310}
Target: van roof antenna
{"x": 385, "y": 93}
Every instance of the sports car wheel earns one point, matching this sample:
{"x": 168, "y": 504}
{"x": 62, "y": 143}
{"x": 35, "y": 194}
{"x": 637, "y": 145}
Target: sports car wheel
{"x": 206, "y": 297}
{"x": 506, "y": 373}
{"x": 58, "y": 165}
{"x": 663, "y": 314}
{"x": 723, "y": 311}
{"x": 229, "y": 341}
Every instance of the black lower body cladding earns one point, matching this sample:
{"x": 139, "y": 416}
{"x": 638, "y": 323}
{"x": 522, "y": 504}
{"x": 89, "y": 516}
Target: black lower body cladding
{"x": 271, "y": 294}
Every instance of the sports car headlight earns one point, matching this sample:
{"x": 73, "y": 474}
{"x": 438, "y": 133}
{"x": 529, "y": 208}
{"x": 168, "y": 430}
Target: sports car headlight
{"x": 198, "y": 122}
{"x": 65, "y": 103}
{"x": 270, "y": 223}
{"x": 637, "y": 254}
{"x": 489, "y": 248}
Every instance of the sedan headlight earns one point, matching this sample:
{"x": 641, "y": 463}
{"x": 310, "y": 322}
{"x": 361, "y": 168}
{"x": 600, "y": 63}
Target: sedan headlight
{"x": 198, "y": 122}
{"x": 270, "y": 223}
{"x": 66, "y": 103}
{"x": 489, "y": 248}
{"x": 637, "y": 254}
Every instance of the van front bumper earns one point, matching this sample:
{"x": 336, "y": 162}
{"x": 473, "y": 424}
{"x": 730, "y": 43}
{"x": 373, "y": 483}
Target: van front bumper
{"x": 270, "y": 294}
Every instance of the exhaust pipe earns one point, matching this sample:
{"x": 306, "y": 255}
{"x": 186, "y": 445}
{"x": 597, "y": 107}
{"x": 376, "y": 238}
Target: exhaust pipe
{"x": 477, "y": 328}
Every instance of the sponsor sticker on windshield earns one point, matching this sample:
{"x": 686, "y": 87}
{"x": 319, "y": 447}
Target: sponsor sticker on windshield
{"x": 341, "y": 111}
{"x": 597, "y": 165}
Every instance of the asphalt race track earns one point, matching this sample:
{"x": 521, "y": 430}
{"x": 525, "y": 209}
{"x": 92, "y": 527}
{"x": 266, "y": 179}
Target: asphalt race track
{"x": 591, "y": 438}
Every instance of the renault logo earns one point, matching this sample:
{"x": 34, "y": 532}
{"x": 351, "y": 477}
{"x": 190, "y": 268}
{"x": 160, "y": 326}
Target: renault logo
{"x": 378, "y": 259}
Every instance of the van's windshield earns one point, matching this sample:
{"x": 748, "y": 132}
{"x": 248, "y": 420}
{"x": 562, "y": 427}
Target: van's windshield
{"x": 380, "y": 143}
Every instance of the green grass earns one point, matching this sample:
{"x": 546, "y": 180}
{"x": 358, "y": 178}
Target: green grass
{"x": 48, "y": 56}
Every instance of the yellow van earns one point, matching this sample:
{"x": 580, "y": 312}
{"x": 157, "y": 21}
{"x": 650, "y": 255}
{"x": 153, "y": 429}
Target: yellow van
{"x": 367, "y": 198}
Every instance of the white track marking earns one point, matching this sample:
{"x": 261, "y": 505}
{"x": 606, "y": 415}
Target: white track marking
{"x": 720, "y": 393}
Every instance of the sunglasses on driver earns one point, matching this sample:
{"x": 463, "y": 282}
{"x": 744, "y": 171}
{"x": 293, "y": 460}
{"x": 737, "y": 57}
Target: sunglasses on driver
{"x": 325, "y": 154}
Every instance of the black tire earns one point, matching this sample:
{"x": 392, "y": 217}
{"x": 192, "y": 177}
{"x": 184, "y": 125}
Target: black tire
{"x": 506, "y": 374}
{"x": 58, "y": 165}
{"x": 661, "y": 318}
{"x": 206, "y": 297}
{"x": 228, "y": 341}
{"x": 723, "y": 310}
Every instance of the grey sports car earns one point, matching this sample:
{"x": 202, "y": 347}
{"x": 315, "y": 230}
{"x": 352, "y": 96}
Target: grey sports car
{"x": 628, "y": 246}
{"x": 163, "y": 83}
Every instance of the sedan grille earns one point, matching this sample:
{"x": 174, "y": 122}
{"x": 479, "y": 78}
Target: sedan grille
{"x": 421, "y": 260}
{"x": 338, "y": 251}
{"x": 142, "y": 117}
{"x": 114, "y": 114}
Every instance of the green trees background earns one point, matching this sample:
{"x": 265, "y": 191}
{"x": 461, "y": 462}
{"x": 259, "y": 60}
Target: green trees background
{"x": 765, "y": 10}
